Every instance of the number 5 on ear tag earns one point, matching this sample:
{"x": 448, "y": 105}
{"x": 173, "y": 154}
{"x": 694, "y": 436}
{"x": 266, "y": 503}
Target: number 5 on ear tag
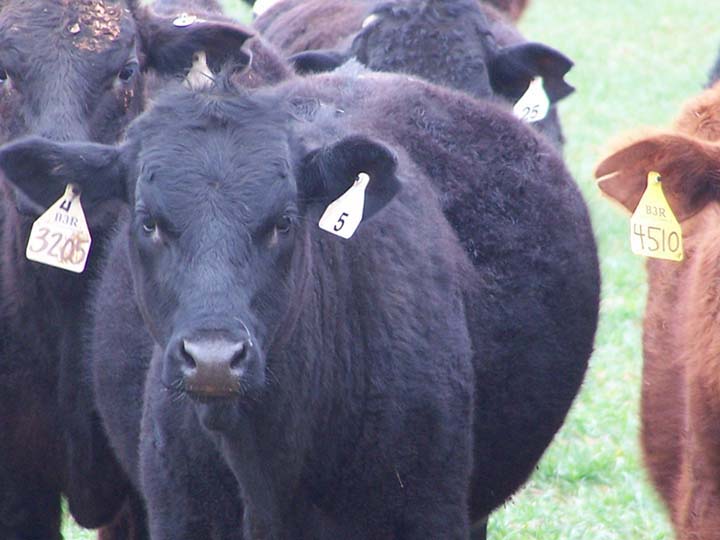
{"x": 654, "y": 230}
{"x": 60, "y": 237}
{"x": 534, "y": 105}
{"x": 343, "y": 216}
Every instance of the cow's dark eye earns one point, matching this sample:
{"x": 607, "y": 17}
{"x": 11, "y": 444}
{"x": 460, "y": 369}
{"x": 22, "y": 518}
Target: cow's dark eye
{"x": 3, "y": 76}
{"x": 283, "y": 225}
{"x": 128, "y": 71}
{"x": 149, "y": 226}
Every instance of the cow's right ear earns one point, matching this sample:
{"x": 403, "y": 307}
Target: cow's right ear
{"x": 319, "y": 61}
{"x": 41, "y": 169}
{"x": 689, "y": 169}
{"x": 330, "y": 171}
{"x": 169, "y": 43}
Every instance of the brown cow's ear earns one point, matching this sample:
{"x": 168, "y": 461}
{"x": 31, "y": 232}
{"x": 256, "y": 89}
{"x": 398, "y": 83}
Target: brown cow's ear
{"x": 169, "y": 43}
{"x": 689, "y": 168}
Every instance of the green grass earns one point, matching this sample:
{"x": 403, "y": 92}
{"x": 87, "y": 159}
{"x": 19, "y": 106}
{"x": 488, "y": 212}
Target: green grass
{"x": 636, "y": 62}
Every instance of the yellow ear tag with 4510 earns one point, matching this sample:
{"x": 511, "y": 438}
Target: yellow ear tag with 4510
{"x": 60, "y": 237}
{"x": 654, "y": 229}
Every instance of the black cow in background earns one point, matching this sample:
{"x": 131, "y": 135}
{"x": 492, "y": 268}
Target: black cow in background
{"x": 506, "y": 194}
{"x": 68, "y": 71}
{"x": 456, "y": 43}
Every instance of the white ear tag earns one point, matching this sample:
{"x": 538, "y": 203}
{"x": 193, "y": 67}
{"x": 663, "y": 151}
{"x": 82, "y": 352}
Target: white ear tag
{"x": 534, "y": 105}
{"x": 60, "y": 237}
{"x": 185, "y": 19}
{"x": 199, "y": 76}
{"x": 343, "y": 216}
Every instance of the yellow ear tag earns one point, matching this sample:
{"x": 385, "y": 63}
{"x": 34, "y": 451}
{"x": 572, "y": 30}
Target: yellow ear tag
{"x": 343, "y": 216}
{"x": 654, "y": 230}
{"x": 534, "y": 105}
{"x": 60, "y": 237}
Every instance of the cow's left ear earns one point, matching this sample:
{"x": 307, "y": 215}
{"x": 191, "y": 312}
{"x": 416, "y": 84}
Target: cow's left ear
{"x": 169, "y": 43}
{"x": 513, "y": 68}
{"x": 329, "y": 172}
{"x": 41, "y": 169}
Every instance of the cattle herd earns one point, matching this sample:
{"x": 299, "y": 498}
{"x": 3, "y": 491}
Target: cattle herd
{"x": 309, "y": 279}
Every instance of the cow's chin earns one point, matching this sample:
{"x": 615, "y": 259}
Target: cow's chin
{"x": 217, "y": 414}
{"x": 212, "y": 394}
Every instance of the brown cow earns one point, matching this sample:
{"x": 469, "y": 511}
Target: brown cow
{"x": 513, "y": 8}
{"x": 680, "y": 404}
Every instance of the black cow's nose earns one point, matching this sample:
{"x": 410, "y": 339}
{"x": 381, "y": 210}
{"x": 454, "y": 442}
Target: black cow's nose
{"x": 214, "y": 367}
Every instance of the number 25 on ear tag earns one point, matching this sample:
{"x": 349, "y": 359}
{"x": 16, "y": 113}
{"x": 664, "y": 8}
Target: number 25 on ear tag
{"x": 343, "y": 216}
{"x": 654, "y": 230}
{"x": 60, "y": 237}
{"x": 534, "y": 105}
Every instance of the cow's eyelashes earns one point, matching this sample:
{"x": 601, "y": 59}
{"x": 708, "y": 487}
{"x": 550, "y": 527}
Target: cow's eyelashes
{"x": 128, "y": 71}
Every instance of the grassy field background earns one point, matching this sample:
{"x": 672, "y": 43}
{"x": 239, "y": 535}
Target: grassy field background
{"x": 636, "y": 62}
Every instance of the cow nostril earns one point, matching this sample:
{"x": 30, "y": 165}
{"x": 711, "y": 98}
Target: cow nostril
{"x": 241, "y": 354}
{"x": 187, "y": 358}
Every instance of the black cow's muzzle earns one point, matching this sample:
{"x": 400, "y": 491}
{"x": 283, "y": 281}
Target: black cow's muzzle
{"x": 212, "y": 365}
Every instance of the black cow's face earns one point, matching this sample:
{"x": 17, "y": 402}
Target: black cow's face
{"x": 225, "y": 206}
{"x": 215, "y": 228}
{"x": 222, "y": 213}
{"x": 442, "y": 41}
{"x": 68, "y": 69}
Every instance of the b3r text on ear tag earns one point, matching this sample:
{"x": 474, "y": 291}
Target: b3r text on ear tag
{"x": 60, "y": 237}
{"x": 534, "y": 105}
{"x": 654, "y": 229}
{"x": 343, "y": 216}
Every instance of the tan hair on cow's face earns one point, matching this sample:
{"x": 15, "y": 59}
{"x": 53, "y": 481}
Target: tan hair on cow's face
{"x": 688, "y": 161}
{"x": 88, "y": 25}
{"x": 98, "y": 24}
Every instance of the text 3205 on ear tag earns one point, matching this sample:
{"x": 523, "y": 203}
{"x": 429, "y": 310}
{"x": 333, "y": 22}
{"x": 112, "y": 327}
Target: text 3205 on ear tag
{"x": 343, "y": 216}
{"x": 534, "y": 105}
{"x": 654, "y": 229}
{"x": 60, "y": 237}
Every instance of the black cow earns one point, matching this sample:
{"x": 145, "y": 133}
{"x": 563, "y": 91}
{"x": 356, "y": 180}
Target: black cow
{"x": 456, "y": 43}
{"x": 68, "y": 71}
{"x": 532, "y": 309}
